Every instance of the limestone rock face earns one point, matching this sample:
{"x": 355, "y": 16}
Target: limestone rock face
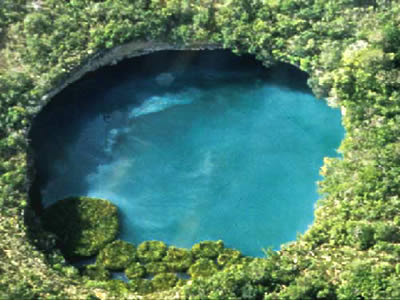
{"x": 119, "y": 53}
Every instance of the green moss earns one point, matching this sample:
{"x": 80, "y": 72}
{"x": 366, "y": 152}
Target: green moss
{"x": 135, "y": 270}
{"x": 96, "y": 272}
{"x": 207, "y": 249}
{"x": 156, "y": 267}
{"x": 151, "y": 251}
{"x": 178, "y": 259}
{"x": 203, "y": 268}
{"x": 228, "y": 257}
{"x": 117, "y": 256}
{"x": 82, "y": 225}
{"x": 164, "y": 281}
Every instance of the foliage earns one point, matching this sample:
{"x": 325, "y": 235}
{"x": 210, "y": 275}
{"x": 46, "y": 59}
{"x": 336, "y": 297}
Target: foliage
{"x": 117, "y": 255}
{"x": 151, "y": 251}
{"x": 350, "y": 49}
{"x": 228, "y": 257}
{"x": 368, "y": 280}
{"x": 117, "y": 288}
{"x": 96, "y": 272}
{"x": 156, "y": 267}
{"x": 135, "y": 270}
{"x": 142, "y": 286}
{"x": 202, "y": 267}
{"x": 11, "y": 11}
{"x": 82, "y": 225}
{"x": 207, "y": 249}
{"x": 164, "y": 281}
{"x": 178, "y": 259}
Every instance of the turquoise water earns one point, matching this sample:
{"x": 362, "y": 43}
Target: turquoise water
{"x": 191, "y": 146}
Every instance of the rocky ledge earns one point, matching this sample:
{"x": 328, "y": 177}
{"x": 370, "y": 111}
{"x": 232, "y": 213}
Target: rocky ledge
{"x": 118, "y": 53}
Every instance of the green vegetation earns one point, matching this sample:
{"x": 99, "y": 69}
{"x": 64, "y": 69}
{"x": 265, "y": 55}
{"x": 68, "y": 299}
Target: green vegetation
{"x": 350, "y": 48}
{"x": 207, "y": 249}
{"x": 178, "y": 260}
{"x": 151, "y": 251}
{"x": 164, "y": 281}
{"x": 135, "y": 270}
{"x": 142, "y": 286}
{"x": 82, "y": 225}
{"x": 228, "y": 257}
{"x": 203, "y": 268}
{"x": 156, "y": 267}
{"x": 96, "y": 272}
{"x": 117, "y": 256}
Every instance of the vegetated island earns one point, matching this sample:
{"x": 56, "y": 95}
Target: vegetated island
{"x": 350, "y": 48}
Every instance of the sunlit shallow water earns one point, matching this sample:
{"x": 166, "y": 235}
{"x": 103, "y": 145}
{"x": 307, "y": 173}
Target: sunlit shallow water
{"x": 191, "y": 146}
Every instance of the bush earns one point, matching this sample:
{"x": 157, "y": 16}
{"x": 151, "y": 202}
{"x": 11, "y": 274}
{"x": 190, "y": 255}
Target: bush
{"x": 151, "y": 251}
{"x": 164, "y": 281}
{"x": 367, "y": 279}
{"x": 156, "y": 267}
{"x": 135, "y": 270}
{"x": 82, "y": 225}
{"x": 387, "y": 232}
{"x": 203, "y": 268}
{"x": 95, "y": 272}
{"x": 117, "y": 256}
{"x": 361, "y": 234}
{"x": 178, "y": 259}
{"x": 117, "y": 288}
{"x": 228, "y": 257}
{"x": 207, "y": 249}
{"x": 231, "y": 283}
{"x": 142, "y": 286}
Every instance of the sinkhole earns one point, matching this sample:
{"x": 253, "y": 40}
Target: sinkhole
{"x": 191, "y": 146}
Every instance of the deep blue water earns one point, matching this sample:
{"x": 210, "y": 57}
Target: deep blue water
{"x": 191, "y": 146}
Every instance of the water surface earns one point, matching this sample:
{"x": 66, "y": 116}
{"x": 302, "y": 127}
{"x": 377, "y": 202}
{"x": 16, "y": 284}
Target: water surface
{"x": 191, "y": 146}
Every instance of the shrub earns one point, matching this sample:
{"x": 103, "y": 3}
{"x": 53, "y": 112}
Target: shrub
{"x": 387, "y": 232}
{"x": 178, "y": 259}
{"x": 361, "y": 234}
{"x": 117, "y": 288}
{"x": 367, "y": 279}
{"x": 207, "y": 249}
{"x": 117, "y": 256}
{"x": 96, "y": 272}
{"x": 228, "y": 257}
{"x": 151, "y": 251}
{"x": 231, "y": 283}
{"x": 164, "y": 281}
{"x": 142, "y": 286}
{"x": 82, "y": 225}
{"x": 203, "y": 268}
{"x": 135, "y": 270}
{"x": 156, "y": 267}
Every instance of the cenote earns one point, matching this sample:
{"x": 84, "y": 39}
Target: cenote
{"x": 191, "y": 146}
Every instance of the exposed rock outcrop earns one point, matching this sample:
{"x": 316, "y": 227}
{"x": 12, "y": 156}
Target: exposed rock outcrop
{"x": 118, "y": 53}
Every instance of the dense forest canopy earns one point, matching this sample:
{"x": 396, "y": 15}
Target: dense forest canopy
{"x": 350, "y": 48}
